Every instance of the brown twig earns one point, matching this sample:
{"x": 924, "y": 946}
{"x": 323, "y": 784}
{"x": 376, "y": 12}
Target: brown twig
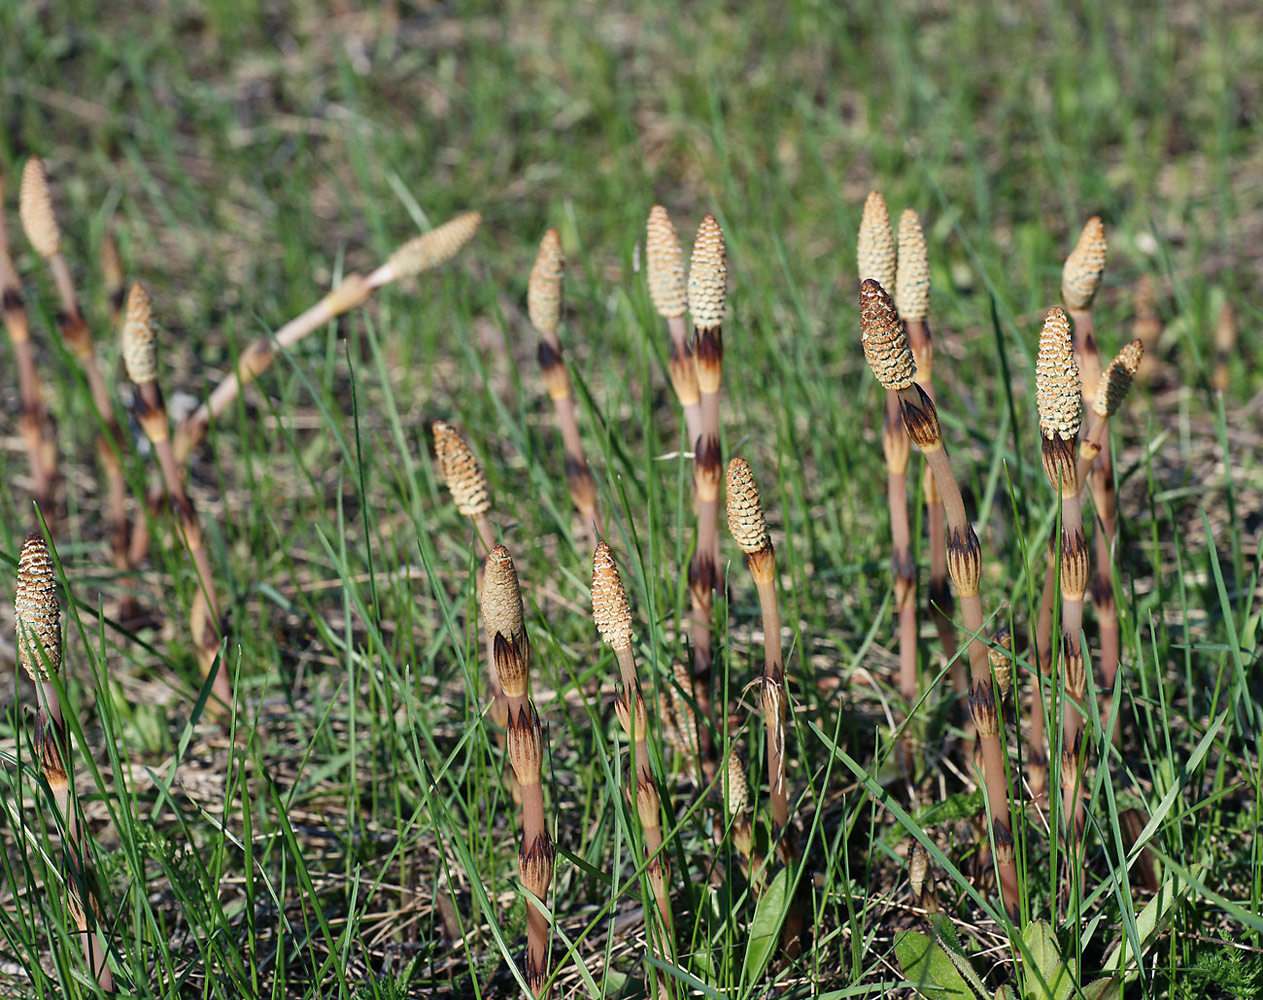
{"x": 140, "y": 356}
{"x": 502, "y": 613}
{"x": 38, "y": 620}
{"x": 886, "y": 350}
{"x": 543, "y": 302}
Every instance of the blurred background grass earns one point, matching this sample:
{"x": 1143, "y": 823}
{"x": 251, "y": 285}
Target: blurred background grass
{"x": 246, "y": 154}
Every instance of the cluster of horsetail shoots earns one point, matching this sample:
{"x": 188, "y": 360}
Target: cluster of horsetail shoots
{"x": 612, "y": 615}
{"x": 468, "y": 485}
{"x": 35, "y": 424}
{"x": 749, "y": 530}
{"x": 708, "y": 299}
{"x": 140, "y": 357}
{"x": 886, "y": 349}
{"x": 668, "y": 288}
{"x": 543, "y": 306}
{"x": 912, "y": 299}
{"x": 1057, "y": 394}
{"x": 502, "y": 613}
{"x": 40, "y": 224}
{"x": 37, "y": 616}
{"x": 877, "y": 258}
{"x": 420, "y": 254}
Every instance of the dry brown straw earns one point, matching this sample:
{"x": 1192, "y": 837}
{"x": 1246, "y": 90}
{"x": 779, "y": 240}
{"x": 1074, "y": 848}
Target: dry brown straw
{"x": 468, "y": 485}
{"x": 543, "y": 302}
{"x": 37, "y": 617}
{"x": 912, "y": 299}
{"x": 40, "y": 223}
{"x": 708, "y": 298}
{"x": 886, "y": 350}
{"x": 502, "y": 613}
{"x": 668, "y": 287}
{"x": 140, "y": 356}
{"x": 38, "y": 433}
{"x": 423, "y": 253}
{"x": 612, "y": 615}
{"x": 876, "y": 258}
{"x": 1057, "y": 394}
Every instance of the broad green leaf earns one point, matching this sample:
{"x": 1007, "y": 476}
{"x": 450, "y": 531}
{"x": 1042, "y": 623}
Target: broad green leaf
{"x": 1051, "y": 978}
{"x": 765, "y": 927}
{"x": 945, "y": 933}
{"x": 930, "y": 968}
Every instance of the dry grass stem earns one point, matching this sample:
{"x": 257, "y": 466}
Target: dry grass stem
{"x": 421, "y": 254}
{"x": 888, "y": 355}
{"x": 37, "y": 618}
{"x": 140, "y": 355}
{"x": 502, "y": 612}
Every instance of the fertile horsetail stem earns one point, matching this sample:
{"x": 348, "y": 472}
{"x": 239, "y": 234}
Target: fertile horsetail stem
{"x": 40, "y": 223}
{"x": 35, "y": 425}
{"x": 708, "y": 298}
{"x": 502, "y": 614}
{"x": 886, "y": 349}
{"x": 612, "y": 615}
{"x": 876, "y": 257}
{"x": 37, "y": 617}
{"x": 912, "y": 299}
{"x": 668, "y": 287}
{"x": 140, "y": 356}
{"x": 543, "y": 301}
{"x": 1057, "y": 395}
